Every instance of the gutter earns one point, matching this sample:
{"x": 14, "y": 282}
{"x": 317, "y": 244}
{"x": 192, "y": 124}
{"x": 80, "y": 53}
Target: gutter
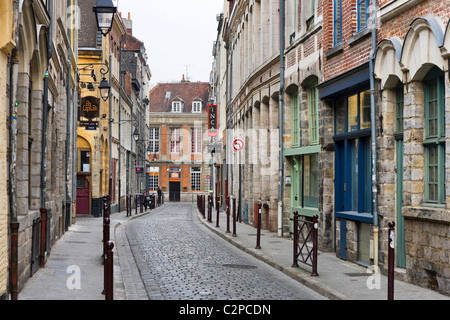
{"x": 281, "y": 124}
{"x": 373, "y": 134}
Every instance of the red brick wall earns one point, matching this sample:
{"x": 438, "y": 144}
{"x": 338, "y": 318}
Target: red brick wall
{"x": 399, "y": 25}
{"x": 353, "y": 55}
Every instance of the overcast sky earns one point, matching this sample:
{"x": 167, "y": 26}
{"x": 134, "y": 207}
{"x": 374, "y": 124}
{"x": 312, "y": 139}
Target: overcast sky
{"x": 178, "y": 35}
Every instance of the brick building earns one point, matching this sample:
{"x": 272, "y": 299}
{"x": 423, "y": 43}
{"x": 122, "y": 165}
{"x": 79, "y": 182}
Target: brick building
{"x": 178, "y": 139}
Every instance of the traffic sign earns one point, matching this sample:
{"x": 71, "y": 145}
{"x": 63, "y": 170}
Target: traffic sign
{"x": 238, "y": 144}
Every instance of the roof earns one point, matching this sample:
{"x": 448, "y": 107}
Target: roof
{"x": 161, "y": 100}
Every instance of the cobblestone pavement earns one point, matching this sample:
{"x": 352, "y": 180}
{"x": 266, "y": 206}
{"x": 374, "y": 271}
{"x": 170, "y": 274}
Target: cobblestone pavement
{"x": 180, "y": 259}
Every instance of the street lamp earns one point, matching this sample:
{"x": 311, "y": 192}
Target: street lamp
{"x": 105, "y": 89}
{"x": 104, "y": 13}
{"x": 136, "y": 135}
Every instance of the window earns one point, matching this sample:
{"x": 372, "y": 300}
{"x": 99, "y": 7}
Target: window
{"x": 311, "y": 180}
{"x": 175, "y": 140}
{"x": 363, "y": 13}
{"x": 176, "y": 106}
{"x": 352, "y": 113}
{"x": 309, "y": 8}
{"x": 353, "y": 154}
{"x": 154, "y": 140}
{"x": 314, "y": 115}
{"x": 153, "y": 179}
{"x": 196, "y": 140}
{"x": 196, "y": 107}
{"x": 337, "y": 22}
{"x": 434, "y": 142}
{"x": 295, "y": 121}
{"x": 196, "y": 175}
{"x": 85, "y": 161}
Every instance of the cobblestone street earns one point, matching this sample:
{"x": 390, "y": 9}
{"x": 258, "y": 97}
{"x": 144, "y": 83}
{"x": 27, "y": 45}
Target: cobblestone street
{"x": 179, "y": 259}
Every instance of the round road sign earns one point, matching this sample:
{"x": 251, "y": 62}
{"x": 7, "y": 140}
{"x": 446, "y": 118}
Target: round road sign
{"x": 238, "y": 144}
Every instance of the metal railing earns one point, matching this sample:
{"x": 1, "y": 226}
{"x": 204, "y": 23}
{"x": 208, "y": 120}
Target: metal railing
{"x": 304, "y": 232}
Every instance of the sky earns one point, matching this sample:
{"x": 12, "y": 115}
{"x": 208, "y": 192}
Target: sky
{"x": 178, "y": 36}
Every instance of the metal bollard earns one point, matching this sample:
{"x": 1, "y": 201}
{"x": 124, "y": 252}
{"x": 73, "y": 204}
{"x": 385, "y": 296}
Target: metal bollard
{"x": 141, "y": 205}
{"x": 228, "y": 214}
{"x": 217, "y": 212}
{"x": 315, "y": 236}
{"x": 295, "y": 263}
{"x": 391, "y": 260}
{"x": 136, "y": 204}
{"x": 258, "y": 233}
{"x": 210, "y": 209}
{"x": 234, "y": 217}
{"x": 109, "y": 272}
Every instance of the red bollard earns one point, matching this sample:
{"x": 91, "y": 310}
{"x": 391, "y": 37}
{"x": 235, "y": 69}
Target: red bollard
{"x": 227, "y": 203}
{"x": 295, "y": 263}
{"x": 217, "y": 212}
{"x": 258, "y": 234}
{"x": 315, "y": 236}
{"x": 109, "y": 272}
{"x": 234, "y": 217}
{"x": 391, "y": 260}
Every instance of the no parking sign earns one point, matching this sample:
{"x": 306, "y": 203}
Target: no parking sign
{"x": 238, "y": 145}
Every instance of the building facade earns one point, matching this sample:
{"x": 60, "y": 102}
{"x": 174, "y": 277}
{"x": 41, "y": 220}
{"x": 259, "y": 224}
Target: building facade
{"x": 39, "y": 48}
{"x": 7, "y": 44}
{"x": 411, "y": 68}
{"x": 344, "y": 130}
{"x": 252, "y": 38}
{"x": 178, "y": 137}
{"x": 137, "y": 85}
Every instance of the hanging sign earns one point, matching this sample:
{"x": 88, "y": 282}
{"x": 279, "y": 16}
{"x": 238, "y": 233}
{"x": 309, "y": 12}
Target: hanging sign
{"x": 212, "y": 121}
{"x": 90, "y": 107}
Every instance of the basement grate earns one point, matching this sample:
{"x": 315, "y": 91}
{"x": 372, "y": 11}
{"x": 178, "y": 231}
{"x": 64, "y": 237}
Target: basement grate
{"x": 239, "y": 266}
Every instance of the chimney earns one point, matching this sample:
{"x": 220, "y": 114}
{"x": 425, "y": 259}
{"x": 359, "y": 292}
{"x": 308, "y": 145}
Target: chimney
{"x": 182, "y": 80}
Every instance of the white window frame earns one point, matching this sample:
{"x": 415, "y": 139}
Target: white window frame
{"x": 196, "y": 107}
{"x": 196, "y": 140}
{"x": 175, "y": 140}
{"x": 196, "y": 179}
{"x": 154, "y": 140}
{"x": 176, "y": 106}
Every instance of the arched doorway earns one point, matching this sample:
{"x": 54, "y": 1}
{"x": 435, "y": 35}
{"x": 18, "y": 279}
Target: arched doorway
{"x": 84, "y": 177}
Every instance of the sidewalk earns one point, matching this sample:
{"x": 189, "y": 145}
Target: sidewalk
{"x": 81, "y": 246}
{"x": 338, "y": 279}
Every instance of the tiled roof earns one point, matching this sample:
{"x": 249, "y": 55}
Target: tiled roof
{"x": 161, "y": 100}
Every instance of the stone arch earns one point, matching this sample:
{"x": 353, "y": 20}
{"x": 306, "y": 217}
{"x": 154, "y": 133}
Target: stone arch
{"x": 387, "y": 62}
{"x": 421, "y": 47}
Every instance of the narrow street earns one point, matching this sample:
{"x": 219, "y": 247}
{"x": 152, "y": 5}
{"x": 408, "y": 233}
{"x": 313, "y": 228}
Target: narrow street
{"x": 179, "y": 259}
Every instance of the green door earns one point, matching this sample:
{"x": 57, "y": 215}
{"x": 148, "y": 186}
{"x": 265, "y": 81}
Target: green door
{"x": 401, "y": 254}
{"x": 296, "y": 178}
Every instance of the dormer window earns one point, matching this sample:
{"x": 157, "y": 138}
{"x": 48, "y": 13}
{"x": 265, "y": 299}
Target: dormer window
{"x": 196, "y": 107}
{"x": 176, "y": 106}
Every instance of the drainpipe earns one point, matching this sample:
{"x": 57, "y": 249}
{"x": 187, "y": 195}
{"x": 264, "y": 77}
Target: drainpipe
{"x": 68, "y": 147}
{"x": 373, "y": 133}
{"x": 281, "y": 124}
{"x": 14, "y": 105}
{"x": 44, "y": 143}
